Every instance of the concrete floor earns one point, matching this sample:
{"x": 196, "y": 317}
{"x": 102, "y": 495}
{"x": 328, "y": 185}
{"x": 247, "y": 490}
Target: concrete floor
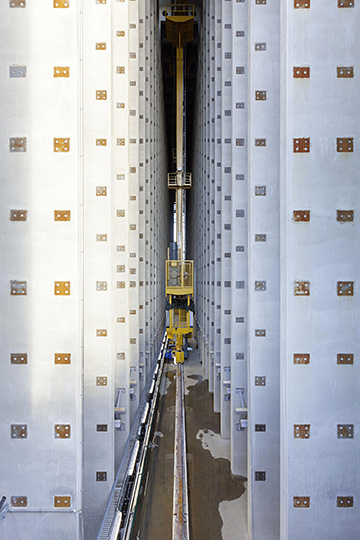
{"x": 217, "y": 501}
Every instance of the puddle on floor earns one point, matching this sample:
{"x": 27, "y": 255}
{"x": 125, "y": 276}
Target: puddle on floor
{"x": 217, "y": 501}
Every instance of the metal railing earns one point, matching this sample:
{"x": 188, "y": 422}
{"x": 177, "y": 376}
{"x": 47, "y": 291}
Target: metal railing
{"x": 180, "y": 10}
{"x": 179, "y": 180}
{"x": 179, "y": 277}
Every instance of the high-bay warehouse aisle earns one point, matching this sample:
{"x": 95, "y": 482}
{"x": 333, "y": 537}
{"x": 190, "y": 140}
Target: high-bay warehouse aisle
{"x": 270, "y": 139}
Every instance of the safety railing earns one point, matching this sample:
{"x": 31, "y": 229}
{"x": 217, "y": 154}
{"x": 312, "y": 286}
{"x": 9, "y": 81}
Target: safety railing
{"x": 180, "y": 10}
{"x": 179, "y": 277}
{"x": 179, "y": 180}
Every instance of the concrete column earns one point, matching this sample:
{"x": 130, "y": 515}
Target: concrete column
{"x": 319, "y": 269}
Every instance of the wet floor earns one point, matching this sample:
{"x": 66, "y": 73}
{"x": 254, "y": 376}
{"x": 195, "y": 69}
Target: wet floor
{"x": 217, "y": 501}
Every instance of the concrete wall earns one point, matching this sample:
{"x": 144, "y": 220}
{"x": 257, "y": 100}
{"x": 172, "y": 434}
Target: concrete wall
{"x": 107, "y": 240}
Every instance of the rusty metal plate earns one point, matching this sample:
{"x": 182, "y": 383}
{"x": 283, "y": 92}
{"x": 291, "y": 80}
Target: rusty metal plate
{"x": 260, "y": 142}
{"x": 260, "y": 191}
{"x": 260, "y": 476}
{"x": 301, "y": 502}
{"x": 101, "y": 476}
{"x": 62, "y": 502}
{"x": 61, "y": 71}
{"x": 18, "y": 288}
{"x": 345, "y": 288}
{"x": 345, "y": 431}
{"x": 61, "y": 144}
{"x": 101, "y": 191}
{"x": 262, "y": 2}
{"x": 17, "y": 144}
{"x": 101, "y": 427}
{"x": 62, "y": 431}
{"x": 345, "y": 144}
{"x": 120, "y": 141}
{"x": 260, "y": 237}
{"x": 120, "y": 33}
{"x": 345, "y": 502}
{"x": 301, "y": 358}
{"x": 344, "y": 215}
{"x": 101, "y": 332}
{"x": 301, "y": 145}
{"x": 260, "y": 381}
{"x": 18, "y": 358}
{"x": 120, "y": 284}
{"x": 101, "y": 142}
{"x": 260, "y": 427}
{"x": 62, "y": 215}
{"x": 301, "y": 431}
{"x": 20, "y": 501}
{"x": 301, "y": 215}
{"x": 120, "y": 70}
{"x": 260, "y": 333}
{"x": 132, "y": 341}
{"x": 101, "y": 237}
{"x": 301, "y": 4}
{"x": 101, "y": 46}
{"x": 19, "y": 431}
{"x": 18, "y": 215}
{"x": 101, "y": 381}
{"x": 101, "y": 285}
{"x": 62, "y": 358}
{"x": 62, "y": 288}
{"x": 260, "y": 285}
{"x": 101, "y": 1}
{"x": 302, "y": 288}
{"x": 61, "y": 3}
{"x": 345, "y": 72}
{"x": 300, "y": 72}
{"x": 345, "y": 358}
{"x": 17, "y": 3}
{"x": 346, "y": 3}
{"x": 101, "y": 94}
{"x": 260, "y": 95}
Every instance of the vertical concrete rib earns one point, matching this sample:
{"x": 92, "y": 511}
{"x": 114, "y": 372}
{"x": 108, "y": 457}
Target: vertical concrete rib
{"x": 264, "y": 268}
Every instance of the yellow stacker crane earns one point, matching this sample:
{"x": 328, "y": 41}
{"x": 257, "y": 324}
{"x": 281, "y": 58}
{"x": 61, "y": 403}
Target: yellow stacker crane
{"x": 179, "y": 272}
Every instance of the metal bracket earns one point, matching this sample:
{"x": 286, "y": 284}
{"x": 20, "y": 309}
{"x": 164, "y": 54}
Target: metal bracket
{"x": 18, "y": 288}
{"x": 62, "y": 431}
{"x": 17, "y": 72}
{"x": 18, "y": 358}
{"x": 62, "y": 288}
{"x": 19, "y": 431}
{"x": 19, "y": 501}
{"x": 62, "y": 502}
{"x": 301, "y": 502}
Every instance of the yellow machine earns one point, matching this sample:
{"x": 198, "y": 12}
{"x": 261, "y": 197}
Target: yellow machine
{"x": 179, "y": 272}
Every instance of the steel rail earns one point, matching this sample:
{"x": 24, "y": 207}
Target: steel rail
{"x": 119, "y": 516}
{"x": 180, "y": 525}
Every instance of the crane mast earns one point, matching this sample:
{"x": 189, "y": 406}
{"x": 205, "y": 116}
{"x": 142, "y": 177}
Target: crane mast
{"x": 179, "y": 271}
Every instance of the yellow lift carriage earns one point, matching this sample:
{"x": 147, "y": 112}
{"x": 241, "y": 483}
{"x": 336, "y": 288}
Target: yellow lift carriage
{"x": 179, "y": 272}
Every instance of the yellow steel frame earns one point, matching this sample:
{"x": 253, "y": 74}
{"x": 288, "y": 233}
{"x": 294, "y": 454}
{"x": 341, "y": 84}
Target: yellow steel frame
{"x": 179, "y": 273}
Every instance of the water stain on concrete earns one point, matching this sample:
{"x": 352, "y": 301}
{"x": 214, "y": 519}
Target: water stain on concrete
{"x": 211, "y": 484}
{"x": 211, "y": 481}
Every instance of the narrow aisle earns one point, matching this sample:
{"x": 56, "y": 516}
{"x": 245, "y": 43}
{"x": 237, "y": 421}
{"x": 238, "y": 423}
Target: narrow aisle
{"x": 217, "y": 502}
